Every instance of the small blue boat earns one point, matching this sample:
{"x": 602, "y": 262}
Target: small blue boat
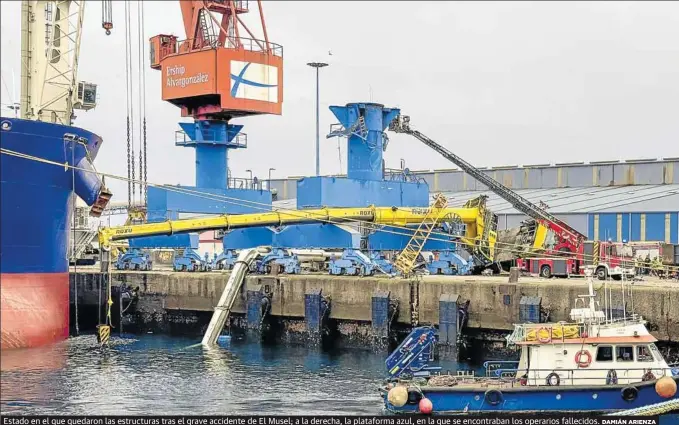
{"x": 594, "y": 363}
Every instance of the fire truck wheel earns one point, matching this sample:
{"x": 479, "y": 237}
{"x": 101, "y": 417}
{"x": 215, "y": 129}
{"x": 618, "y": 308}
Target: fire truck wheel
{"x": 601, "y": 273}
{"x": 546, "y": 271}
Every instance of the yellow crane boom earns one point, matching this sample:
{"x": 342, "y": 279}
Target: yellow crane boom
{"x": 396, "y": 216}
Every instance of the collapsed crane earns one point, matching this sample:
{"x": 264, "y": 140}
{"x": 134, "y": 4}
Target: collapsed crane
{"x": 540, "y": 221}
{"x": 473, "y": 215}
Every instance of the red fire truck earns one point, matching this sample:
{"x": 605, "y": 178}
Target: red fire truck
{"x": 606, "y": 258}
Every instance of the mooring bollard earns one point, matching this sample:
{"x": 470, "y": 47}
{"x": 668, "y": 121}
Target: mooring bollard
{"x": 513, "y": 275}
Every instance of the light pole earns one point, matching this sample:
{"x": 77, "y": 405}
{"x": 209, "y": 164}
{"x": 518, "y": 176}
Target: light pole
{"x": 270, "y": 170}
{"x": 250, "y": 171}
{"x": 317, "y": 65}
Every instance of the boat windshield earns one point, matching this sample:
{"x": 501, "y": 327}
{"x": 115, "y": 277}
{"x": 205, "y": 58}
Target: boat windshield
{"x": 656, "y": 352}
{"x": 644, "y": 354}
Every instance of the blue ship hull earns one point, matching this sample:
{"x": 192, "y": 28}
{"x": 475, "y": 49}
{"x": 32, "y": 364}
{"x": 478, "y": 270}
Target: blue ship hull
{"x": 36, "y": 206}
{"x": 533, "y": 399}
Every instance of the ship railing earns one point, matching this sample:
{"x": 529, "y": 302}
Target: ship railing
{"x": 241, "y": 6}
{"x": 245, "y": 183}
{"x": 511, "y": 377}
{"x": 592, "y": 376}
{"x": 240, "y": 43}
{"x": 210, "y": 136}
{"x": 240, "y": 183}
{"x": 396, "y": 174}
{"x": 628, "y": 318}
{"x": 492, "y": 366}
{"x": 547, "y": 332}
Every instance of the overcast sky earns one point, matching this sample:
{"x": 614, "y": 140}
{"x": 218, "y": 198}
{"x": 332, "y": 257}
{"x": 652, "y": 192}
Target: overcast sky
{"x": 499, "y": 83}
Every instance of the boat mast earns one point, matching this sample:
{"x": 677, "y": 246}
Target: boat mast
{"x": 624, "y": 305}
{"x": 590, "y": 284}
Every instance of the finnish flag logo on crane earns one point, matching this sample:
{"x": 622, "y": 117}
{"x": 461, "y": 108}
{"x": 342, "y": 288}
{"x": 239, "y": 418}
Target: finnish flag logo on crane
{"x": 255, "y": 81}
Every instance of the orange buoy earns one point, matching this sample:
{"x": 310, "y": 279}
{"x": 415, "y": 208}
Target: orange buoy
{"x": 398, "y": 396}
{"x": 666, "y": 387}
{"x": 425, "y": 406}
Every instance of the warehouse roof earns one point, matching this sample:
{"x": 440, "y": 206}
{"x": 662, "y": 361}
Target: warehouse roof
{"x": 646, "y": 198}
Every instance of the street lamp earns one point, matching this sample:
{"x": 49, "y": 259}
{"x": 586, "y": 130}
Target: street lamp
{"x": 317, "y": 65}
{"x": 249, "y": 171}
{"x": 270, "y": 170}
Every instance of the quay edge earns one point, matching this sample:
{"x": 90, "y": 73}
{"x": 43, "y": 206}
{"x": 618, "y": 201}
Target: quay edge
{"x": 494, "y": 304}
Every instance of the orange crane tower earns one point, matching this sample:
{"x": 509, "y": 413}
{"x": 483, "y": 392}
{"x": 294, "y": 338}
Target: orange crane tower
{"x": 216, "y": 72}
{"x": 219, "y": 72}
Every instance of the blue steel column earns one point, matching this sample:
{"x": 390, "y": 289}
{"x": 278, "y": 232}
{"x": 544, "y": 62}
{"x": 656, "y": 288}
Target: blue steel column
{"x": 211, "y": 166}
{"x": 364, "y": 154}
{"x": 211, "y": 141}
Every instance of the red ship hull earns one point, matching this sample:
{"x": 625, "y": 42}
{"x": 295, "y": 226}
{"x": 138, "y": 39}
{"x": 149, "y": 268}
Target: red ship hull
{"x": 35, "y": 309}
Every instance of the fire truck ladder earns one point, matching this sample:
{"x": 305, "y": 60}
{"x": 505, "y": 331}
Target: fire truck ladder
{"x": 402, "y": 125}
{"x": 405, "y": 261}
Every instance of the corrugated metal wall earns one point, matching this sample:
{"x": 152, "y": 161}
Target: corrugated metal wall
{"x": 545, "y": 176}
{"x": 662, "y": 227}
{"x": 597, "y": 226}
{"x": 577, "y": 221}
{"x": 594, "y": 174}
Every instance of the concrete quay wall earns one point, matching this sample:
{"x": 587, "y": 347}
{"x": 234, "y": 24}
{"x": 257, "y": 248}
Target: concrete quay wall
{"x": 494, "y": 303}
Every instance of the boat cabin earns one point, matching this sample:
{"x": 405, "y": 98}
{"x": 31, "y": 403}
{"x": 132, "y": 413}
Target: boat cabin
{"x": 547, "y": 358}
{"x": 592, "y": 349}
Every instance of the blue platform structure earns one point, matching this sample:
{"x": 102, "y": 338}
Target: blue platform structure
{"x": 364, "y": 126}
{"x": 366, "y": 184}
{"x": 212, "y": 140}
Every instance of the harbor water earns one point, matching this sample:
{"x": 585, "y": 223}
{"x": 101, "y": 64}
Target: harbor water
{"x": 151, "y": 374}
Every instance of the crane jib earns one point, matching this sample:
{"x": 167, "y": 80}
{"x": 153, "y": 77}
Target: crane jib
{"x": 517, "y": 201}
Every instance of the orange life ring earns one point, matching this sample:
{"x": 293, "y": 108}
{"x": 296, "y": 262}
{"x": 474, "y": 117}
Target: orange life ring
{"x": 546, "y": 339}
{"x": 580, "y": 362}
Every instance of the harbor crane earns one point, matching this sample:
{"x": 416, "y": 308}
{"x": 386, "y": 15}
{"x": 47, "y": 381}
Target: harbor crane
{"x": 50, "y": 51}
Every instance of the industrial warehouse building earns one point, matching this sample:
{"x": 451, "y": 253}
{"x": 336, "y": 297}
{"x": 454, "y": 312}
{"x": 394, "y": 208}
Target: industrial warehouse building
{"x": 632, "y": 200}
